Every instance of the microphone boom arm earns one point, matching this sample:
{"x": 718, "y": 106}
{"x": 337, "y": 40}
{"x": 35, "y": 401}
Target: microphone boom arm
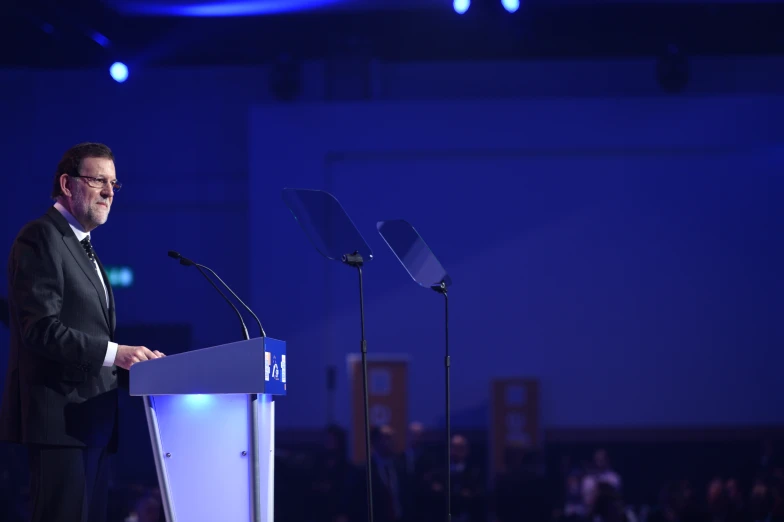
{"x": 263, "y": 333}
{"x": 244, "y": 328}
{"x": 184, "y": 261}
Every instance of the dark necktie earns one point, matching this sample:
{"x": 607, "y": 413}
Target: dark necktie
{"x": 88, "y": 247}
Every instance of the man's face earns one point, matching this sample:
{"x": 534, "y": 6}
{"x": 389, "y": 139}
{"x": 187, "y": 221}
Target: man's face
{"x": 90, "y": 203}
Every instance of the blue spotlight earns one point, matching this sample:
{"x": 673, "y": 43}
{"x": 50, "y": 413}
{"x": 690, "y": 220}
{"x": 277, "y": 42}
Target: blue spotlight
{"x": 100, "y": 39}
{"x": 119, "y": 72}
{"x": 210, "y": 8}
{"x": 511, "y": 5}
{"x": 461, "y": 6}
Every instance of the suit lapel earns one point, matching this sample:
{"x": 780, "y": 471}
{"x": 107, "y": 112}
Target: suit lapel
{"x": 80, "y": 256}
{"x": 111, "y": 311}
{"x": 88, "y": 268}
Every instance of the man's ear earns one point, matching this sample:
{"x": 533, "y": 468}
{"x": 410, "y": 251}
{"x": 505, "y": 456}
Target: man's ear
{"x": 64, "y": 185}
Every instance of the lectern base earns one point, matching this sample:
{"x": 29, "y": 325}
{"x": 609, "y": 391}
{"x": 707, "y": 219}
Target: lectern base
{"x": 203, "y": 456}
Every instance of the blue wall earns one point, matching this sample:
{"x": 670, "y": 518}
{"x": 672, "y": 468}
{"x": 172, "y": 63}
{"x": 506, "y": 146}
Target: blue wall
{"x": 619, "y": 250}
{"x": 613, "y": 242}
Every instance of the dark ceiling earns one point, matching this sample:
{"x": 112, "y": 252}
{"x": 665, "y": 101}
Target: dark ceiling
{"x": 50, "y": 33}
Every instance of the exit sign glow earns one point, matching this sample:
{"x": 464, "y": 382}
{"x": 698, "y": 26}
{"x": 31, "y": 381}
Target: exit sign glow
{"x": 120, "y": 276}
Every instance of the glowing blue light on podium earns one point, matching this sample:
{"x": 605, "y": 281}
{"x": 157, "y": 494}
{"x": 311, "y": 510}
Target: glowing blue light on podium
{"x": 198, "y": 401}
{"x": 511, "y": 5}
{"x": 461, "y": 6}
{"x": 119, "y": 72}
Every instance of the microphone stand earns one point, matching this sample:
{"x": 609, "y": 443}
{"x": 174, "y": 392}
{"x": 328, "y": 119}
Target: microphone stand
{"x": 441, "y": 289}
{"x": 244, "y": 328}
{"x": 261, "y": 328}
{"x": 184, "y": 261}
{"x": 253, "y": 406}
{"x": 355, "y": 260}
{"x": 253, "y": 399}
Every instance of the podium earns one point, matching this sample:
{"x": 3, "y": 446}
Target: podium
{"x": 211, "y": 416}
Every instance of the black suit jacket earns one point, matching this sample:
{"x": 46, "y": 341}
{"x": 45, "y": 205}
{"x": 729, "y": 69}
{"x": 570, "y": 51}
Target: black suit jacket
{"x": 57, "y": 390}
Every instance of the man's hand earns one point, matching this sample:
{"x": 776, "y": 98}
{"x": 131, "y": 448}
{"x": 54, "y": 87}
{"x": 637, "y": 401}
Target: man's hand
{"x": 129, "y": 355}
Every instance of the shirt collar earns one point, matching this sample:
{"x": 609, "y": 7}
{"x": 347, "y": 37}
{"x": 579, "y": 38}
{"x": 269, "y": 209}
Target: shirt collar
{"x": 75, "y": 226}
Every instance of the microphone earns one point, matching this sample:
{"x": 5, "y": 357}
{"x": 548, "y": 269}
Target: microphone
{"x": 187, "y": 262}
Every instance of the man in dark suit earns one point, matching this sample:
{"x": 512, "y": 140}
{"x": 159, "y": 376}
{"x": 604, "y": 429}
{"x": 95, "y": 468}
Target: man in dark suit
{"x": 60, "y": 397}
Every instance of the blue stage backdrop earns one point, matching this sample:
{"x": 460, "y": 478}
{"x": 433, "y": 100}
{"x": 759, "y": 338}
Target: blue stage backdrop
{"x": 619, "y": 250}
{"x": 616, "y": 243}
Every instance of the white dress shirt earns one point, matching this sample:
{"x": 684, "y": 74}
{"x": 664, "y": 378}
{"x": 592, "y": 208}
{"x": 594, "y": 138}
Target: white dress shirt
{"x": 111, "y": 349}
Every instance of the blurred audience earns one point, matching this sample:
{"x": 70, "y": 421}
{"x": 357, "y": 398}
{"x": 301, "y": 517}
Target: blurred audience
{"x": 520, "y": 488}
{"x": 330, "y": 478}
{"x": 599, "y": 473}
{"x": 323, "y": 485}
{"x": 468, "y": 497}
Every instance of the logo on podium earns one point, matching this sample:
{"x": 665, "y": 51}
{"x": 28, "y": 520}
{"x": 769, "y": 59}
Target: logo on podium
{"x": 267, "y": 362}
{"x": 275, "y": 370}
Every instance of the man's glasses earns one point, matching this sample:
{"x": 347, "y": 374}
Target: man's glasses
{"x": 100, "y": 182}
